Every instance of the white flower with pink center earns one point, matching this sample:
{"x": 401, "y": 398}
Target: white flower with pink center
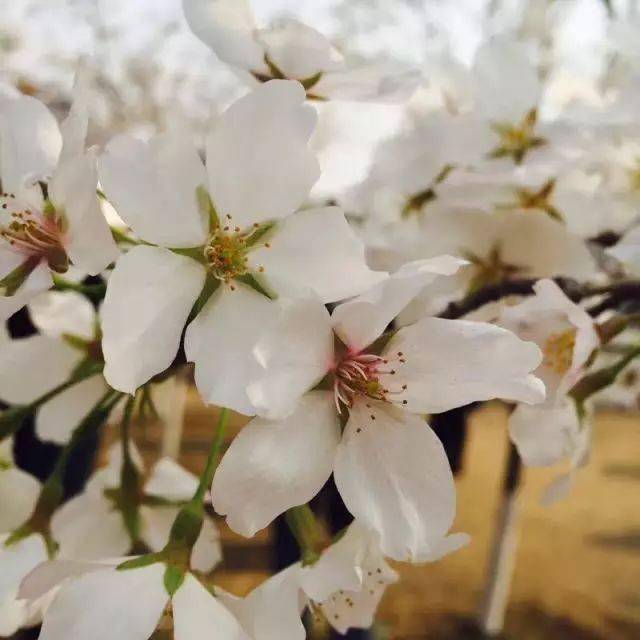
{"x": 50, "y": 216}
{"x": 340, "y": 395}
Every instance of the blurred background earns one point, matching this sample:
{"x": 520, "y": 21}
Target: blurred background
{"x": 577, "y": 571}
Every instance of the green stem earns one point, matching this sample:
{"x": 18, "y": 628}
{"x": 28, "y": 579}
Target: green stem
{"x": 52, "y": 492}
{"x": 602, "y": 378}
{"x": 307, "y": 531}
{"x": 129, "y": 476}
{"x": 214, "y": 457}
{"x": 188, "y": 523}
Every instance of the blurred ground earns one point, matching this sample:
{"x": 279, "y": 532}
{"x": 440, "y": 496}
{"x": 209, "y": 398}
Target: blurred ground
{"x": 578, "y": 569}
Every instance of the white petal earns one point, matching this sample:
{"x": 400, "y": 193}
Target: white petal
{"x": 57, "y": 313}
{"x": 171, "y": 481}
{"x": 30, "y": 142}
{"x": 72, "y": 190}
{"x": 295, "y": 355}
{"x": 89, "y": 527}
{"x": 452, "y": 543}
{"x": 18, "y": 559}
{"x": 272, "y": 610}
{"x": 558, "y": 489}
{"x": 394, "y": 476}
{"x": 198, "y": 614}
{"x": 508, "y": 84}
{"x": 317, "y": 249}
{"x": 150, "y": 294}
{"x": 298, "y": 50}
{"x": 450, "y": 363}
{"x": 628, "y": 249}
{"x": 360, "y": 321}
{"x": 156, "y": 523}
{"x": 13, "y": 615}
{"x": 153, "y": 188}
{"x": 227, "y": 26}
{"x": 339, "y": 566}
{"x": 207, "y": 552}
{"x": 368, "y": 83}
{"x": 29, "y": 367}
{"x": 38, "y": 281}
{"x": 258, "y": 160}
{"x": 51, "y": 573}
{"x": 272, "y": 466}
{"x": 57, "y": 418}
{"x": 108, "y": 604}
{"x": 18, "y": 494}
{"x": 220, "y": 341}
{"x": 544, "y": 435}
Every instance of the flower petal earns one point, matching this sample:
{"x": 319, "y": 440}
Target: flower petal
{"x": 72, "y": 189}
{"x": 57, "y": 313}
{"x": 57, "y": 418}
{"x": 298, "y": 50}
{"x": 198, "y": 614}
{"x": 88, "y": 527}
{"x": 317, "y": 249}
{"x": 19, "y": 491}
{"x": 102, "y": 605}
{"x": 368, "y": 83}
{"x": 171, "y": 481}
{"x": 393, "y": 475}
{"x": 272, "y": 466}
{"x": 30, "y": 142}
{"x": 18, "y": 559}
{"x": 227, "y": 26}
{"x": 295, "y": 355}
{"x": 29, "y": 367}
{"x": 39, "y": 280}
{"x": 450, "y": 363}
{"x": 259, "y": 163}
{"x": 360, "y": 321}
{"x": 150, "y": 294}
{"x": 153, "y": 188}
{"x": 220, "y": 341}
{"x": 544, "y": 435}
{"x": 272, "y": 610}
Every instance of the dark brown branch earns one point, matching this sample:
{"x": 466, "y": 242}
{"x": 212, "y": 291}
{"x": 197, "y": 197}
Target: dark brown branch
{"x": 616, "y": 294}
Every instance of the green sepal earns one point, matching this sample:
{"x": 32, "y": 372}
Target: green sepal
{"x": 11, "y": 420}
{"x": 173, "y": 579}
{"x": 141, "y": 561}
{"x": 251, "y": 281}
{"x": 211, "y": 284}
{"x": 10, "y": 284}
{"x": 311, "y": 81}
{"x": 195, "y": 253}
{"x": 261, "y": 233}
{"x": 206, "y": 206}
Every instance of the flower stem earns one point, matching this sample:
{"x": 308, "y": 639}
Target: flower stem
{"x": 307, "y": 531}
{"x": 214, "y": 457}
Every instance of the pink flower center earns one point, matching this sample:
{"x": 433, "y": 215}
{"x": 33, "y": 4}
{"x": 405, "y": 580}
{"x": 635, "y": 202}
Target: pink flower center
{"x": 364, "y": 374}
{"x": 32, "y": 233}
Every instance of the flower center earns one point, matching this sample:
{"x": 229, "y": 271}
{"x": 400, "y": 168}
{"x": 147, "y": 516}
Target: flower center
{"x": 33, "y": 233}
{"x": 517, "y": 140}
{"x": 558, "y": 351}
{"x": 226, "y": 251}
{"x": 361, "y": 375}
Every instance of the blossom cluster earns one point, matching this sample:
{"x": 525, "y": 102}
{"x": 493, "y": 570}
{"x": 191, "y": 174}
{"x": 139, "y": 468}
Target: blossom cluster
{"x": 489, "y": 255}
